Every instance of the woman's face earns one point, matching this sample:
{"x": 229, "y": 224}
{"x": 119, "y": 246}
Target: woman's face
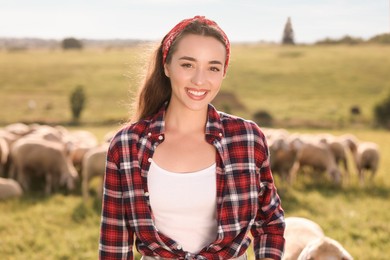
{"x": 196, "y": 71}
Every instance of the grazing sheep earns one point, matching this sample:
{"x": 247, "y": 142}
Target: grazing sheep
{"x": 319, "y": 157}
{"x": 367, "y": 159}
{"x": 283, "y": 153}
{"x": 366, "y": 156}
{"x": 9, "y": 189}
{"x": 80, "y": 142}
{"x": 33, "y": 158}
{"x": 94, "y": 163}
{"x": 339, "y": 150}
{"x": 305, "y": 239}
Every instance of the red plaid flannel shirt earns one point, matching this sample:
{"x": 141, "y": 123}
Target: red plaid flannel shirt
{"x": 247, "y": 201}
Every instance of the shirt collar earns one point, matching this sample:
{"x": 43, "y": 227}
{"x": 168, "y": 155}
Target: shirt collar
{"x": 213, "y": 128}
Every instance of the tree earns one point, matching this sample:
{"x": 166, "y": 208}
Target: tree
{"x": 288, "y": 33}
{"x": 77, "y": 102}
{"x": 71, "y": 43}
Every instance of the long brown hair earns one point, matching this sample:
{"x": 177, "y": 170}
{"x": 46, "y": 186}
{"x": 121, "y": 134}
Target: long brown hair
{"x": 156, "y": 89}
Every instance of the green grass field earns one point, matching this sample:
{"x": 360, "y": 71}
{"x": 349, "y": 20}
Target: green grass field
{"x": 300, "y": 86}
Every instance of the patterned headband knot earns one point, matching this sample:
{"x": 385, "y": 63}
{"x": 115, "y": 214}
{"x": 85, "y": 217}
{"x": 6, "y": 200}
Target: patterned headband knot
{"x": 172, "y": 34}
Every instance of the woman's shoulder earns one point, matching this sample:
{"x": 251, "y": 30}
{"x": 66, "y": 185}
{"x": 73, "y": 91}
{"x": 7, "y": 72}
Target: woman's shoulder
{"x": 237, "y": 123}
{"x": 131, "y": 131}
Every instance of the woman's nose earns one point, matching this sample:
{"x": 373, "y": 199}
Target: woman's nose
{"x": 199, "y": 77}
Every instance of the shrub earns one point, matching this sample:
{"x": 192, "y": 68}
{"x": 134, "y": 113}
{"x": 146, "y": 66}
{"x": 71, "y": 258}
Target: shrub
{"x": 71, "y": 43}
{"x": 77, "y": 102}
{"x": 263, "y": 118}
{"x": 382, "y": 113}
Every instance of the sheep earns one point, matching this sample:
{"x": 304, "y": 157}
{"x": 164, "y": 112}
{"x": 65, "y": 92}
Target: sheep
{"x": 4, "y": 153}
{"x": 339, "y": 150}
{"x": 305, "y": 239}
{"x": 366, "y": 156}
{"x": 367, "y": 159}
{"x": 319, "y": 157}
{"x": 298, "y": 232}
{"x": 35, "y": 157}
{"x": 9, "y": 188}
{"x": 283, "y": 152}
{"x": 93, "y": 164}
{"x": 325, "y": 248}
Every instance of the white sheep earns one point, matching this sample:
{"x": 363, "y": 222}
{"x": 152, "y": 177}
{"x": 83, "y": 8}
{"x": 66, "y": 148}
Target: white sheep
{"x": 338, "y": 148}
{"x": 283, "y": 153}
{"x": 324, "y": 248}
{"x": 319, "y": 157}
{"x": 9, "y": 188}
{"x": 4, "y": 153}
{"x": 33, "y": 158}
{"x": 93, "y": 165}
{"x": 305, "y": 239}
{"x": 366, "y": 156}
{"x": 298, "y": 233}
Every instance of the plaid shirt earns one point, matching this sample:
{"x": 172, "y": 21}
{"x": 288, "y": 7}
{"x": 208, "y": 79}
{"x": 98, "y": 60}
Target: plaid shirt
{"x": 247, "y": 202}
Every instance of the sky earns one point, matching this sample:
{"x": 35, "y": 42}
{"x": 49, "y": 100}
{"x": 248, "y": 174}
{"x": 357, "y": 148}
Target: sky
{"x": 242, "y": 20}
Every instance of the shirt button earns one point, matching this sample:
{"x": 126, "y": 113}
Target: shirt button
{"x": 160, "y": 137}
{"x": 150, "y": 160}
{"x": 220, "y": 134}
{"x": 179, "y": 247}
{"x": 146, "y": 193}
{"x": 149, "y": 134}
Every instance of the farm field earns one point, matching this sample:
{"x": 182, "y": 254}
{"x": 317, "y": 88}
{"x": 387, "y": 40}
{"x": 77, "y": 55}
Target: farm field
{"x": 307, "y": 89}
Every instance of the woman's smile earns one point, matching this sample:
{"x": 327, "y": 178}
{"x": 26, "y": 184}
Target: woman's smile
{"x": 196, "y": 93}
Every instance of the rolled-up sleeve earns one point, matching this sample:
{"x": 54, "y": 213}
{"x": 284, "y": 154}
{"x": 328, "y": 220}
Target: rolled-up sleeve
{"x": 116, "y": 240}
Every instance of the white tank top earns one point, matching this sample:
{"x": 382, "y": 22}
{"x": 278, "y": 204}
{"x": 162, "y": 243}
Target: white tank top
{"x": 184, "y": 205}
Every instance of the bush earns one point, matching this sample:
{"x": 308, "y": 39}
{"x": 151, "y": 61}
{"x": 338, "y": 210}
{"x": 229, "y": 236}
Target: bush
{"x": 382, "y": 113}
{"x": 77, "y": 102}
{"x": 263, "y": 118}
{"x": 71, "y": 43}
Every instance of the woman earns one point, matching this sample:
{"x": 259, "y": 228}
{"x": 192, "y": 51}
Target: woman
{"x": 183, "y": 180}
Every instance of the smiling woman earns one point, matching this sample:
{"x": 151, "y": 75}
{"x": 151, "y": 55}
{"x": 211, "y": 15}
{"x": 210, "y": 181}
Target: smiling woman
{"x": 188, "y": 181}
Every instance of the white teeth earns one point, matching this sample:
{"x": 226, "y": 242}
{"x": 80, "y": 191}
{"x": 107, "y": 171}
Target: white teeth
{"x": 197, "y": 93}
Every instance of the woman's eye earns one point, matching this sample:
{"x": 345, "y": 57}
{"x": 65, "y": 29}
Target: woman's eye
{"x": 215, "y": 69}
{"x": 186, "y": 65}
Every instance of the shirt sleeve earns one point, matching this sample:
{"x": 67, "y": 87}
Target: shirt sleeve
{"x": 116, "y": 239}
{"x": 268, "y": 229}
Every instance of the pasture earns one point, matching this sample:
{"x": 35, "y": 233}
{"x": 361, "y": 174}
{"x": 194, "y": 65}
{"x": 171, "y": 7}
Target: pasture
{"x": 300, "y": 86}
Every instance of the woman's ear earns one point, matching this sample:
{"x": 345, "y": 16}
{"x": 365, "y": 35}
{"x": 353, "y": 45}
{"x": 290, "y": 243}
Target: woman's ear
{"x": 166, "y": 70}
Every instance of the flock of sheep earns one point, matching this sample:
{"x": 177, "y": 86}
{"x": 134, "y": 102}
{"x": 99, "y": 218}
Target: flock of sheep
{"x": 59, "y": 158}
{"x": 51, "y": 156}
{"x": 293, "y": 153}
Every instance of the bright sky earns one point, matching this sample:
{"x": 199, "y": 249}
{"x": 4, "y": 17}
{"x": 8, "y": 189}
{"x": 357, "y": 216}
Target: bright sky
{"x": 242, "y": 20}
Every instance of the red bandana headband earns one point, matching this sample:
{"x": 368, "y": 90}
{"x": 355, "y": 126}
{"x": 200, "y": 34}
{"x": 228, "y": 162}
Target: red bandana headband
{"x": 171, "y": 36}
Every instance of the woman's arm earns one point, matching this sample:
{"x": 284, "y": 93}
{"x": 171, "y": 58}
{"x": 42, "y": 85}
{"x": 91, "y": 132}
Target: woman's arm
{"x": 116, "y": 240}
{"x": 268, "y": 229}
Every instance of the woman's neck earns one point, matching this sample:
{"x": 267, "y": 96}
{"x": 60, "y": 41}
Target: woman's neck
{"x": 185, "y": 120}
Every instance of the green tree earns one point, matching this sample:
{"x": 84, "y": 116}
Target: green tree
{"x": 288, "y": 33}
{"x": 71, "y": 43}
{"x": 77, "y": 102}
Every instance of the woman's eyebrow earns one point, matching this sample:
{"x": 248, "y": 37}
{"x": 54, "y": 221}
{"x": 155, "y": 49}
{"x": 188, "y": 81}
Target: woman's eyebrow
{"x": 193, "y": 59}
